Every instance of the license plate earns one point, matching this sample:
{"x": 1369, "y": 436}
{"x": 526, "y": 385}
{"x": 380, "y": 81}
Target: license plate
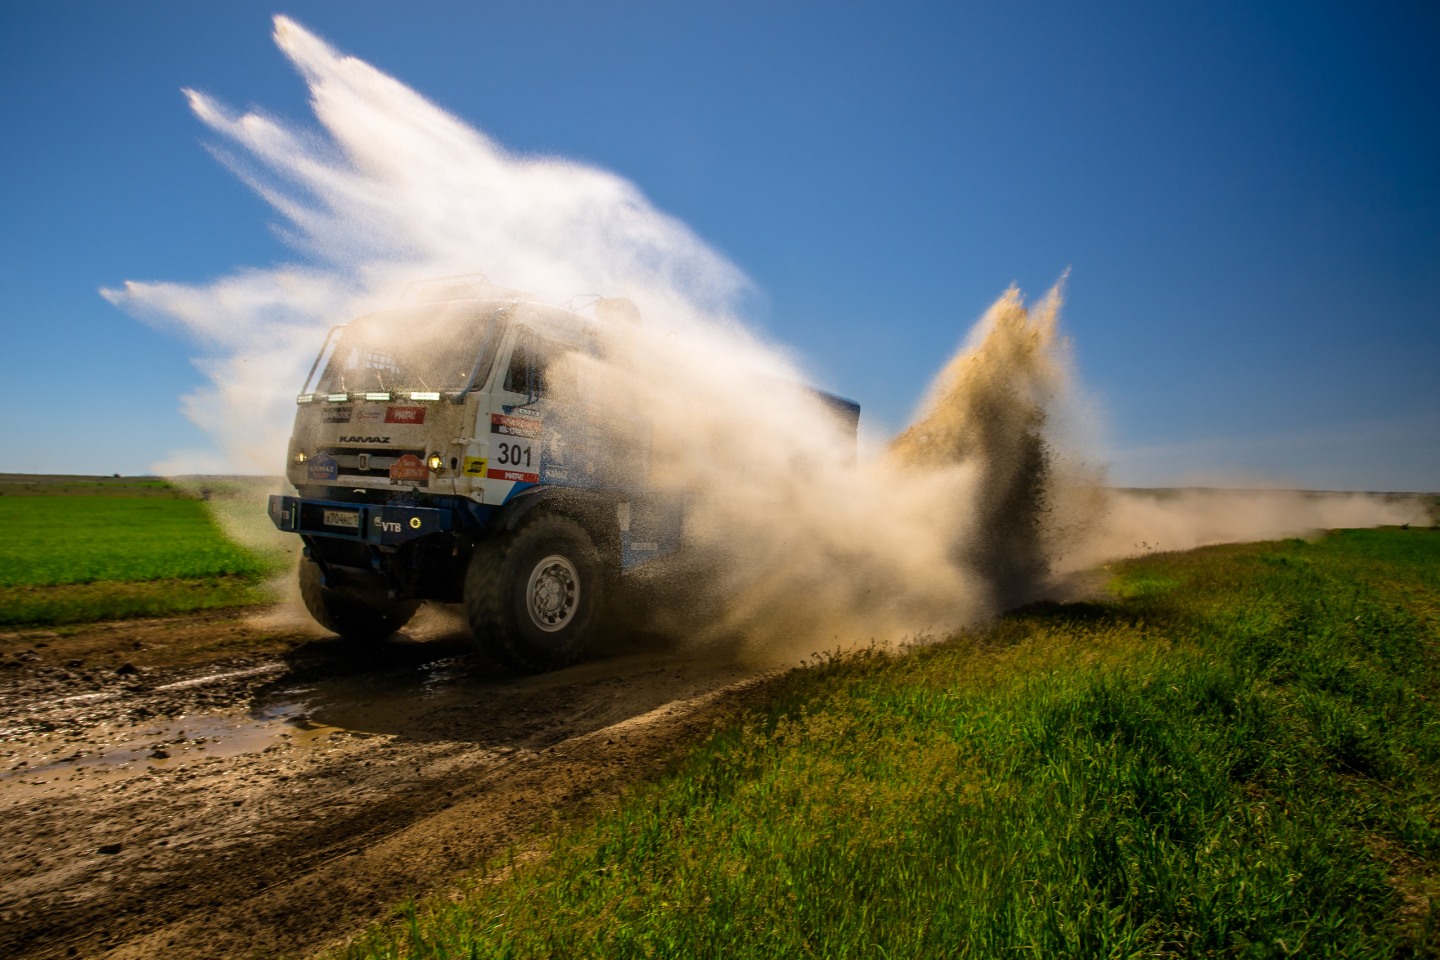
{"x": 342, "y": 518}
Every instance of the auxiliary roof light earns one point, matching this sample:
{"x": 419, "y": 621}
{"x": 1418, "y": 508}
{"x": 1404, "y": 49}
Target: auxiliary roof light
{"x": 425, "y": 395}
{"x": 434, "y": 462}
{"x": 383, "y": 397}
{"x": 337, "y": 397}
{"x": 305, "y": 398}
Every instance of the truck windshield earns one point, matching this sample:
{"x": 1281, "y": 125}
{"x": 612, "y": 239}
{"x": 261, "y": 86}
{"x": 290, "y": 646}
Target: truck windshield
{"x": 436, "y": 347}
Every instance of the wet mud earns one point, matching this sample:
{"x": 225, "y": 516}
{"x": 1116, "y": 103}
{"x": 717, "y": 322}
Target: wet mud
{"x": 212, "y": 787}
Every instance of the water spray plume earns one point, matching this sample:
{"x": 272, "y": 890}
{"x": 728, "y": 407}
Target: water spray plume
{"x": 969, "y": 510}
{"x": 990, "y": 407}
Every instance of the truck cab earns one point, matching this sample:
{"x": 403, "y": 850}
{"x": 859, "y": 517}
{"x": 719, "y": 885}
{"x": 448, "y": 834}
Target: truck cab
{"x": 446, "y": 451}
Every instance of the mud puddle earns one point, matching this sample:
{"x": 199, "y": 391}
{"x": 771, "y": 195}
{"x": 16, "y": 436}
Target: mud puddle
{"x": 170, "y": 794}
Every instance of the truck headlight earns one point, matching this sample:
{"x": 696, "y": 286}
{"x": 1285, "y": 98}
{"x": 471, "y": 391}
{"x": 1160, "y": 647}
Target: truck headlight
{"x": 434, "y": 462}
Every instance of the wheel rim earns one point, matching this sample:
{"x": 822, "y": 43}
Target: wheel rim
{"x": 553, "y": 593}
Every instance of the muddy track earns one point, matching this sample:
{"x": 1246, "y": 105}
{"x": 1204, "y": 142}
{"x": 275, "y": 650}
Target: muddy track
{"x": 211, "y": 786}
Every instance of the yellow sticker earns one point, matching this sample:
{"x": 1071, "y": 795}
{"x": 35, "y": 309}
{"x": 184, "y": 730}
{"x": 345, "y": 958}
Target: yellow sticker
{"x": 475, "y": 466}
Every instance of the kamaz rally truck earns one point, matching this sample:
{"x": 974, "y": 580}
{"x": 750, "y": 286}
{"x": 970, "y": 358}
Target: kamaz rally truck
{"x": 434, "y": 457}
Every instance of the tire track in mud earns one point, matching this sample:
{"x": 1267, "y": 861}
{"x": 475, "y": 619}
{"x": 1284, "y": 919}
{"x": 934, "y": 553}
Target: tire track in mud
{"x": 167, "y": 795}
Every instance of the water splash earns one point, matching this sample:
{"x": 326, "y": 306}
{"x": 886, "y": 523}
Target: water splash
{"x": 991, "y": 407}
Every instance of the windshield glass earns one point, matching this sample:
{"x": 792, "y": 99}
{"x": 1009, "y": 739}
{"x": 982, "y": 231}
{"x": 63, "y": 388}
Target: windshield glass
{"x": 435, "y": 347}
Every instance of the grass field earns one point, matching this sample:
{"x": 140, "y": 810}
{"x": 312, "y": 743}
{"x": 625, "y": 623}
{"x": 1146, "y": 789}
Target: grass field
{"x": 77, "y": 549}
{"x": 1235, "y": 753}
{"x": 39, "y": 485}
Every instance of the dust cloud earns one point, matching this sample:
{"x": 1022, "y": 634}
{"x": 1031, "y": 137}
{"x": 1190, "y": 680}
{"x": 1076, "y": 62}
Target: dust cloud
{"x": 1133, "y": 522}
{"x": 978, "y": 505}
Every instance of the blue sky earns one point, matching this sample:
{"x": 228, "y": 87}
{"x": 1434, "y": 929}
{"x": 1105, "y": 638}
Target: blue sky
{"x": 1247, "y": 197}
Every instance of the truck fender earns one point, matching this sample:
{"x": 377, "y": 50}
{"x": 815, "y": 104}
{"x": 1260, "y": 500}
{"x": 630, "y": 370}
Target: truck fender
{"x": 593, "y": 510}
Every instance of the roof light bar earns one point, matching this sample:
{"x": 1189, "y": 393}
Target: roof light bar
{"x": 378, "y": 396}
{"x": 337, "y": 397}
{"x": 425, "y": 395}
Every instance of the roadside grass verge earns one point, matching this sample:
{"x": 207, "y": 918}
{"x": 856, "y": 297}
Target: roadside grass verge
{"x": 73, "y": 558}
{"x": 1237, "y": 753}
{"x": 119, "y": 600}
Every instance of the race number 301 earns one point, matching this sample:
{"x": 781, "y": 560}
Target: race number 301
{"x": 513, "y": 454}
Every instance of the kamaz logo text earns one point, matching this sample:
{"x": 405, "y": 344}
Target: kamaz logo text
{"x": 364, "y": 440}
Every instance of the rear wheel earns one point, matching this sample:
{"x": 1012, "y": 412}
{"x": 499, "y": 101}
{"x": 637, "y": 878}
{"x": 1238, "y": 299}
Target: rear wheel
{"x": 533, "y": 598}
{"x": 350, "y": 610}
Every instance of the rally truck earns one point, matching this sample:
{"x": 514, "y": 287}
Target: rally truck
{"x": 435, "y": 457}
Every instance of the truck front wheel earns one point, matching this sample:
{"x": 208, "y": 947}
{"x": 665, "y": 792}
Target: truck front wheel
{"x": 348, "y": 610}
{"x": 533, "y": 597}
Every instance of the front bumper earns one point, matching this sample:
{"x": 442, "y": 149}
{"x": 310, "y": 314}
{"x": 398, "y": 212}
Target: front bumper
{"x": 373, "y": 523}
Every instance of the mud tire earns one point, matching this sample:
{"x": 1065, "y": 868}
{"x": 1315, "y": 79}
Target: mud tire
{"x": 350, "y": 613}
{"x": 534, "y": 597}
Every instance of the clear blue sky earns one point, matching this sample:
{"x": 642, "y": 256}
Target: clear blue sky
{"x": 1247, "y": 196}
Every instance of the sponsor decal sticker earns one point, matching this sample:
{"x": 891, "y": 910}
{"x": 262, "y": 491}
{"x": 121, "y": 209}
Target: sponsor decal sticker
{"x": 515, "y": 475}
{"x": 337, "y": 414}
{"x": 514, "y": 426}
{"x": 386, "y": 525}
{"x": 405, "y": 414}
{"x": 475, "y": 466}
{"x": 322, "y": 466}
{"x": 370, "y": 413}
{"x": 408, "y": 469}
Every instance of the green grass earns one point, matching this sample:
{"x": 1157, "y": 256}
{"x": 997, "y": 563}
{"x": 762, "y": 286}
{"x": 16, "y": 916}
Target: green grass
{"x": 1238, "y": 754}
{"x": 116, "y": 600}
{"x": 70, "y": 558}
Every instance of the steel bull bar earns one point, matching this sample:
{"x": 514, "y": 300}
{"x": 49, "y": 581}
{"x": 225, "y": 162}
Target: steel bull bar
{"x": 374, "y": 523}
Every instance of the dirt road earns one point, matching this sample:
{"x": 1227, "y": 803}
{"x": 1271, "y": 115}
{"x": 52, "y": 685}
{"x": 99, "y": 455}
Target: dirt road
{"x": 210, "y": 786}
